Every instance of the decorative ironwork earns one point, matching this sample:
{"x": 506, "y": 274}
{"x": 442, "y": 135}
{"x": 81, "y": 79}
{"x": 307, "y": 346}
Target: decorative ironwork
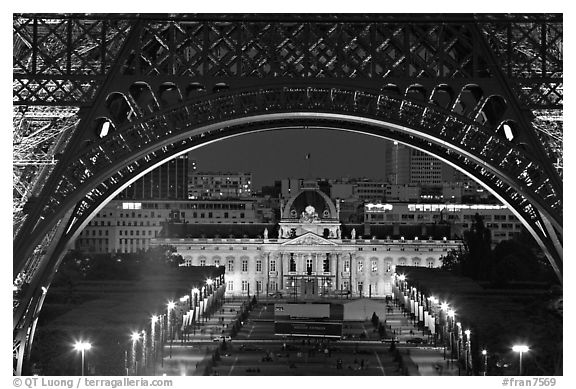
{"x": 151, "y": 86}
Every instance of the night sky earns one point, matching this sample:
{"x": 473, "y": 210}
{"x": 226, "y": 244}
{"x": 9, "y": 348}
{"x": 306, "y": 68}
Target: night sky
{"x": 273, "y": 155}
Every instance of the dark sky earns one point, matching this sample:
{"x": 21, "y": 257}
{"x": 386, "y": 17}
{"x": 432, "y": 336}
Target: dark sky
{"x": 277, "y": 154}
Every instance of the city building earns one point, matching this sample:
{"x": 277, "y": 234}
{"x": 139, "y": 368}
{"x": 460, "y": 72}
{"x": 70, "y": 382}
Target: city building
{"x": 406, "y": 165}
{"x": 128, "y": 226}
{"x": 219, "y": 185}
{"x": 309, "y": 253}
{"x": 168, "y": 181}
{"x": 503, "y": 224}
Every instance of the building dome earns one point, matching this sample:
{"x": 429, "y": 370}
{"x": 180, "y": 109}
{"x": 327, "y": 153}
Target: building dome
{"x": 310, "y": 204}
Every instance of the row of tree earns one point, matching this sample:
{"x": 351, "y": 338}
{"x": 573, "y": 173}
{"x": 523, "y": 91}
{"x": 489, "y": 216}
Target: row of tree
{"x": 519, "y": 259}
{"x": 77, "y": 265}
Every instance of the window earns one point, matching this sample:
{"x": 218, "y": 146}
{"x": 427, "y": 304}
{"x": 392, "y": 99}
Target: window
{"x": 374, "y": 249}
{"x": 374, "y": 266}
{"x": 244, "y": 265}
{"x": 292, "y": 263}
{"x": 258, "y": 286}
{"x": 273, "y": 286}
{"x": 326, "y": 264}
{"x": 360, "y": 266}
{"x": 244, "y": 286}
{"x": 430, "y": 263}
{"x": 360, "y": 248}
{"x": 273, "y": 265}
{"x": 347, "y": 266}
{"x": 346, "y": 285}
{"x": 216, "y": 262}
{"x": 230, "y": 265}
{"x": 259, "y": 265}
{"x": 309, "y": 266}
{"x": 203, "y": 262}
{"x": 360, "y": 286}
{"x": 230, "y": 285}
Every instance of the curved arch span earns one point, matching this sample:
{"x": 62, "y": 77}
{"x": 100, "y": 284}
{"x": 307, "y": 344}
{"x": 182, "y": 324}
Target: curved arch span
{"x": 312, "y": 120}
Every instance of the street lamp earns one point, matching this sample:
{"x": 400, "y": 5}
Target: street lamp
{"x": 485, "y": 354}
{"x": 194, "y": 300}
{"x": 169, "y": 309}
{"x": 520, "y": 348}
{"x": 154, "y": 320}
{"x": 467, "y": 332}
{"x": 135, "y": 336}
{"x": 82, "y": 347}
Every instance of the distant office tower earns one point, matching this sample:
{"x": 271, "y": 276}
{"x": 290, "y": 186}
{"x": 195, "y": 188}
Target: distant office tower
{"x": 397, "y": 163}
{"x": 215, "y": 185}
{"x": 424, "y": 168}
{"x": 168, "y": 181}
{"x": 405, "y": 165}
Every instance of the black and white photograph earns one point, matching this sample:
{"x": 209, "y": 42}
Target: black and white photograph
{"x": 260, "y": 194}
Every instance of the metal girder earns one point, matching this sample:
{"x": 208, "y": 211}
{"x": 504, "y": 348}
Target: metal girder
{"x": 151, "y": 86}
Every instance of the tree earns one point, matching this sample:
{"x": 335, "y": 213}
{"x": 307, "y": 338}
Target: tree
{"x": 477, "y": 263}
{"x": 452, "y": 261}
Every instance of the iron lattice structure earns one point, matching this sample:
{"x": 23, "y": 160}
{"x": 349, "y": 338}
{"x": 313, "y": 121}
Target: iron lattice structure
{"x": 99, "y": 100}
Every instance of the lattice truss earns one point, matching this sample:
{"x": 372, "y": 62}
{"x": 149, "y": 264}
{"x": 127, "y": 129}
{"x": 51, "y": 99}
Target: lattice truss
{"x": 56, "y": 61}
{"x": 532, "y": 54}
{"x": 61, "y": 62}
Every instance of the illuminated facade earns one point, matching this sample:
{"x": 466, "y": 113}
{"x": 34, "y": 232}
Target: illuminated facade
{"x": 128, "y": 226}
{"x": 503, "y": 224}
{"x": 306, "y": 254}
{"x": 219, "y": 185}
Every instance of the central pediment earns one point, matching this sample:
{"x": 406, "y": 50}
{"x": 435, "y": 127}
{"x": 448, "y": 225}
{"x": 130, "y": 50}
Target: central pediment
{"x": 309, "y": 239}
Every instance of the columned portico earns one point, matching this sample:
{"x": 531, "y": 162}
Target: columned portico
{"x": 293, "y": 263}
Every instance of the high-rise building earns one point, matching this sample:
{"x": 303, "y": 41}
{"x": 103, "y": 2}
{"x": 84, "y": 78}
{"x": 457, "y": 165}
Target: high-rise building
{"x": 167, "y": 182}
{"x": 397, "y": 167}
{"x": 405, "y": 165}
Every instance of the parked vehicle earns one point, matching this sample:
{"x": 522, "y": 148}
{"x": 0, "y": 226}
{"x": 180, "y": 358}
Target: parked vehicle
{"x": 416, "y": 341}
{"x": 222, "y": 338}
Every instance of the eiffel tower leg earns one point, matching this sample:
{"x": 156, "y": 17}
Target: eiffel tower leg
{"x": 554, "y": 250}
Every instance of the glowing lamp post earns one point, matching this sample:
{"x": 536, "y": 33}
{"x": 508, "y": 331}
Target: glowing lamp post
{"x": 520, "y": 348}
{"x": 82, "y": 347}
{"x": 194, "y": 299}
{"x": 169, "y": 323}
{"x": 154, "y": 320}
{"x": 467, "y": 332}
{"x": 135, "y": 336}
{"x": 485, "y": 355}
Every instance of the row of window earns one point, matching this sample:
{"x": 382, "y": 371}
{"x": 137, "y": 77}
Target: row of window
{"x": 292, "y": 266}
{"x": 121, "y": 232}
{"x": 96, "y": 223}
{"x": 273, "y": 286}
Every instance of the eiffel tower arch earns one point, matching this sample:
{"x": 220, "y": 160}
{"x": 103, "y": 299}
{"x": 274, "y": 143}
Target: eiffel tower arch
{"x": 100, "y": 100}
